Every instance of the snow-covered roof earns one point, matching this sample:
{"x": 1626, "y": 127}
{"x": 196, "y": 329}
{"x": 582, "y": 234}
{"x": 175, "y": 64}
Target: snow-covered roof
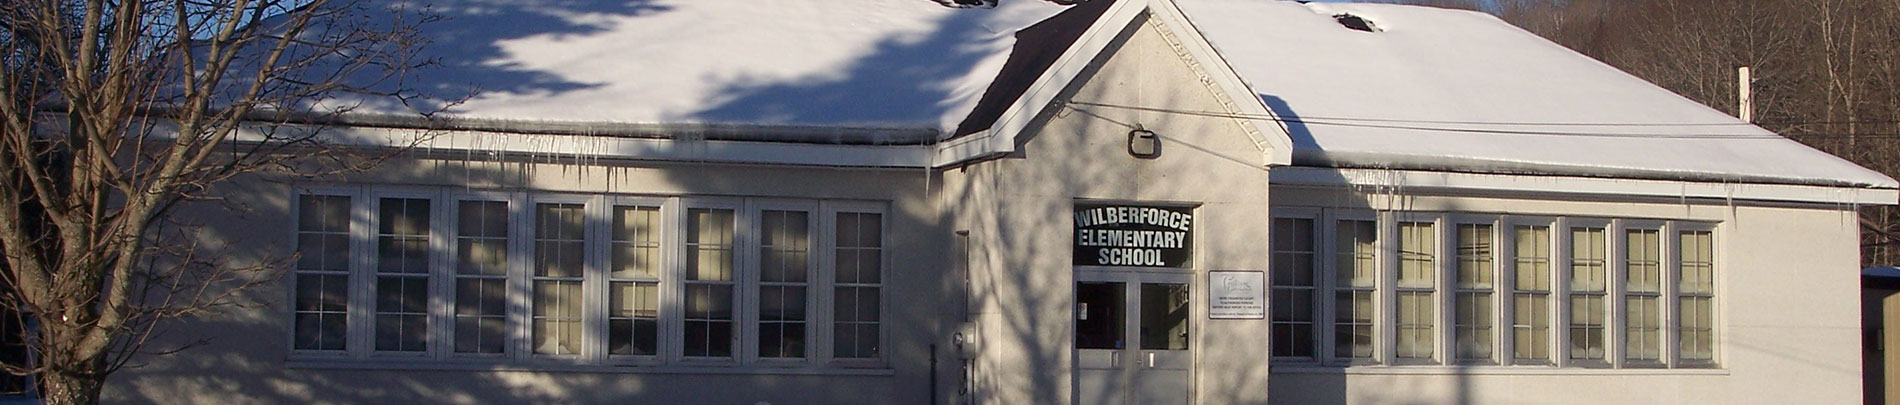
{"x": 1455, "y": 90}
{"x": 909, "y": 64}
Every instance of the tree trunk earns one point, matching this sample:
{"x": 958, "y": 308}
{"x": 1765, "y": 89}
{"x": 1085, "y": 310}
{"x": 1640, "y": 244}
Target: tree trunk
{"x": 70, "y": 389}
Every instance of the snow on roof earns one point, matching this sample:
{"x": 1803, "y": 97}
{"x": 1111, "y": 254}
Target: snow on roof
{"x": 869, "y": 63}
{"x": 1456, "y": 90}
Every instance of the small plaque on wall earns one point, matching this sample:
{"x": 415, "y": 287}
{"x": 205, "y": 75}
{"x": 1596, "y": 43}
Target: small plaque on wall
{"x": 1237, "y": 295}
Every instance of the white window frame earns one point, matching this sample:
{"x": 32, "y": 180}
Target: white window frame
{"x": 434, "y": 310}
{"x": 666, "y": 276}
{"x": 357, "y": 227}
{"x": 828, "y": 286}
{"x": 1508, "y": 284}
{"x": 752, "y": 279}
{"x": 1331, "y": 282}
{"x": 740, "y": 241}
{"x": 1450, "y": 261}
{"x": 451, "y": 229}
{"x": 589, "y": 303}
{"x": 1393, "y": 263}
{"x": 1565, "y": 309}
{"x": 1320, "y": 292}
{"x": 1620, "y": 290}
{"x": 1672, "y": 322}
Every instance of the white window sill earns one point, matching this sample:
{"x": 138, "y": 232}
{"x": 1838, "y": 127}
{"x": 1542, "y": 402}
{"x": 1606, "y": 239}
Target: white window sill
{"x": 321, "y": 364}
{"x": 1485, "y": 370}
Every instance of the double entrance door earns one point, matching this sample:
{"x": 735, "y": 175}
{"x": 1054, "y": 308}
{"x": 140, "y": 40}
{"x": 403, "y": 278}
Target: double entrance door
{"x": 1132, "y": 337}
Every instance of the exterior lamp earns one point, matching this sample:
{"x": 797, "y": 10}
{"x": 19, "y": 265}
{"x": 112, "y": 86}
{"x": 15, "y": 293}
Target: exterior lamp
{"x": 1144, "y": 144}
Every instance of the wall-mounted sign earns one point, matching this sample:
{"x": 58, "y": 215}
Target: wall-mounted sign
{"x": 1133, "y": 235}
{"x": 1237, "y": 294}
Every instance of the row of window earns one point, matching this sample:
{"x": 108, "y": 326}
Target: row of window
{"x": 600, "y": 279}
{"x": 1402, "y": 288}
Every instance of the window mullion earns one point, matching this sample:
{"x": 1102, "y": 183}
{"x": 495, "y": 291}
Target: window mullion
{"x": 1667, "y": 272}
{"x": 594, "y": 280}
{"x": 362, "y": 275}
{"x": 1616, "y": 322}
{"x": 823, "y": 283}
{"x": 1385, "y": 317}
{"x": 1504, "y": 292}
{"x": 441, "y": 275}
{"x": 520, "y": 290}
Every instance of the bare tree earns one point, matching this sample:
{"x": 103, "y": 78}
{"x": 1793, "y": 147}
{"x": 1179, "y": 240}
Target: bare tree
{"x": 115, "y": 113}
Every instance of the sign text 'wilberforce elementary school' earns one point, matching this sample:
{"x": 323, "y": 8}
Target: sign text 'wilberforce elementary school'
{"x": 1108, "y": 234}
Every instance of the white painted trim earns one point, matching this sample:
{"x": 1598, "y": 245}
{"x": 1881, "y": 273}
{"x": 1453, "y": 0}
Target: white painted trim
{"x": 1516, "y": 184}
{"x": 1278, "y": 144}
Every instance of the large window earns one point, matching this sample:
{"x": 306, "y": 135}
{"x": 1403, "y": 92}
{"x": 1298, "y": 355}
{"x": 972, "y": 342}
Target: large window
{"x": 1507, "y": 291}
{"x": 859, "y": 270}
{"x": 633, "y": 275}
{"x": 1695, "y": 296}
{"x": 1417, "y": 283}
{"x": 587, "y": 279}
{"x": 1642, "y": 299}
{"x": 481, "y": 277}
{"x": 402, "y": 275}
{"x": 1356, "y": 284}
{"x": 1530, "y": 309}
{"x": 709, "y": 282}
{"x": 1588, "y": 270}
{"x": 1473, "y": 301}
{"x": 322, "y": 273}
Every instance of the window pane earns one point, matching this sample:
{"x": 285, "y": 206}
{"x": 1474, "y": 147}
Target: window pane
{"x": 1417, "y": 255}
{"x": 480, "y": 315}
{"x": 1474, "y": 256}
{"x": 402, "y": 282}
{"x": 1531, "y": 328}
{"x": 557, "y": 317}
{"x": 636, "y": 243}
{"x": 633, "y": 313}
{"x": 1643, "y": 261}
{"x": 1587, "y": 259}
{"x": 1533, "y": 258}
{"x": 1586, "y": 327}
{"x": 1164, "y": 316}
{"x": 1353, "y": 325}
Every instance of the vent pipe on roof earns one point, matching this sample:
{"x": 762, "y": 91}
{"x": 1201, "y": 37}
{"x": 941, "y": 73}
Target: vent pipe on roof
{"x": 1355, "y": 22}
{"x": 1745, "y": 81}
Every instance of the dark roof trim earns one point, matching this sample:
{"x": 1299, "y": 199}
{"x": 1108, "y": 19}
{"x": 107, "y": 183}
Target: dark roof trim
{"x": 1037, "y": 48}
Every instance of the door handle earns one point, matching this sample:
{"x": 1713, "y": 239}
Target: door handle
{"x": 1151, "y": 359}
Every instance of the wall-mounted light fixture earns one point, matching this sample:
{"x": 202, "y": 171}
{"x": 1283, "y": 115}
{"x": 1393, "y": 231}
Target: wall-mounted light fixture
{"x": 1144, "y": 144}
